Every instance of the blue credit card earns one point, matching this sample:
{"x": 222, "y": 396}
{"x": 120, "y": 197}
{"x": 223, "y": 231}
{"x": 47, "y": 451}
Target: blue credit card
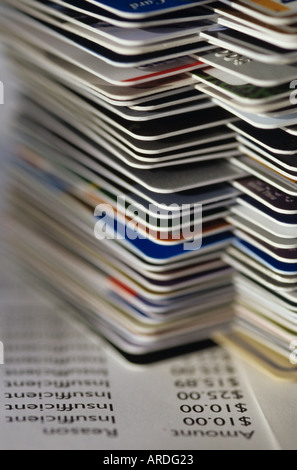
{"x": 144, "y": 8}
{"x": 144, "y": 247}
{"x": 265, "y": 259}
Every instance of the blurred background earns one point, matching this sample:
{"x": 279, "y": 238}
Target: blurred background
{"x": 6, "y": 115}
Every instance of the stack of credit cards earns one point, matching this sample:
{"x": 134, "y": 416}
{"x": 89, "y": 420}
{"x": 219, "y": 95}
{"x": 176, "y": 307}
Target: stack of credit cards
{"x": 123, "y": 180}
{"x": 253, "y": 75}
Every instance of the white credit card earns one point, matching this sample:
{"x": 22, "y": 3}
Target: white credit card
{"x": 266, "y": 223}
{"x": 65, "y": 49}
{"x": 259, "y": 120}
{"x": 262, "y": 234}
{"x": 248, "y": 69}
{"x": 251, "y": 108}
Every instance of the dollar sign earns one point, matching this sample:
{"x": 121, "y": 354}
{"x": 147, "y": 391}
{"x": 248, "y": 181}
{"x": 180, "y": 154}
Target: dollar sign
{"x": 237, "y": 395}
{"x": 245, "y": 421}
{"x": 241, "y": 408}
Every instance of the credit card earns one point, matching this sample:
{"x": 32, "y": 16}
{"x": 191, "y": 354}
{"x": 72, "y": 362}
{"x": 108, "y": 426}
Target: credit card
{"x": 144, "y": 9}
{"x": 276, "y": 141}
{"x": 250, "y": 70}
{"x": 255, "y": 270}
{"x": 282, "y": 165}
{"x": 253, "y": 8}
{"x": 280, "y": 267}
{"x": 238, "y": 89}
{"x": 124, "y": 37}
{"x": 116, "y": 46}
{"x": 248, "y": 46}
{"x": 282, "y": 255}
{"x": 243, "y": 223}
{"x": 273, "y": 36}
{"x": 263, "y": 173}
{"x": 267, "y": 194}
{"x": 278, "y": 8}
{"x": 259, "y": 120}
{"x": 265, "y": 222}
{"x": 97, "y": 13}
{"x": 88, "y": 60}
{"x": 286, "y": 220}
